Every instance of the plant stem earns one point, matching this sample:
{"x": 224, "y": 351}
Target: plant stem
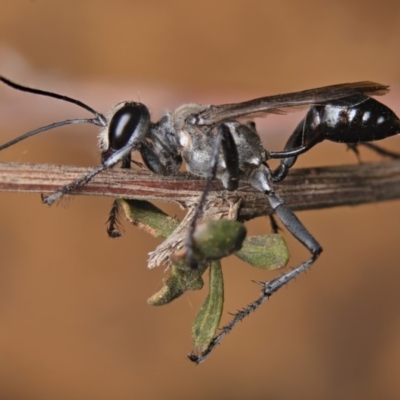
{"x": 302, "y": 189}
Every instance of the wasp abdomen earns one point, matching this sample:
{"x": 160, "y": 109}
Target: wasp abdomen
{"x": 364, "y": 122}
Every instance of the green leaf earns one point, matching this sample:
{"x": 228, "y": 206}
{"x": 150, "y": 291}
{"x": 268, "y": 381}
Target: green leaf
{"x": 176, "y": 284}
{"x": 208, "y": 318}
{"x": 265, "y": 252}
{"x": 148, "y": 217}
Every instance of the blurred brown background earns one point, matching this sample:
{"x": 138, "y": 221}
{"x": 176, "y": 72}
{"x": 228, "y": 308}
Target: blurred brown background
{"x": 74, "y": 323}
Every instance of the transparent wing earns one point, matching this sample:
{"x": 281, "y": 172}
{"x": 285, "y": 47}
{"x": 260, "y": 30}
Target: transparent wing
{"x": 289, "y": 102}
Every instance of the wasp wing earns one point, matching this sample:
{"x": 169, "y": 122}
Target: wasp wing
{"x": 289, "y": 102}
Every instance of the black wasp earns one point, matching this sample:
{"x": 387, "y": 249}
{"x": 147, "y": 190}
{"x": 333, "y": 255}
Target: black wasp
{"x": 215, "y": 144}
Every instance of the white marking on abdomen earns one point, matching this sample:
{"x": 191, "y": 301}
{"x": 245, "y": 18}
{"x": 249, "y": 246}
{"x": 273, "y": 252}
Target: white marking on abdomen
{"x": 332, "y": 115}
{"x": 366, "y": 116}
{"x": 352, "y": 114}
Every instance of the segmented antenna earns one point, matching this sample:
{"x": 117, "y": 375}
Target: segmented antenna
{"x": 99, "y": 120}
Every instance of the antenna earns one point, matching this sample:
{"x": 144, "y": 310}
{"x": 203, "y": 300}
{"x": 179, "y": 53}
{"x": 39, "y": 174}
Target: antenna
{"x": 99, "y": 119}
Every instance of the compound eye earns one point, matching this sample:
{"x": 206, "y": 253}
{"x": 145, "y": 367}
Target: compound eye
{"x": 124, "y": 123}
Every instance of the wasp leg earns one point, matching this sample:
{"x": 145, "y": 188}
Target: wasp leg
{"x": 225, "y": 141}
{"x": 294, "y": 146}
{"x": 298, "y": 230}
{"x": 379, "y": 150}
{"x": 274, "y": 225}
{"x": 113, "y": 222}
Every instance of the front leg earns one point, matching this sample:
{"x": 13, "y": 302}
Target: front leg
{"x": 223, "y": 141}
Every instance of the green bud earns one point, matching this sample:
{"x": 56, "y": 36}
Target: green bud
{"x": 214, "y": 240}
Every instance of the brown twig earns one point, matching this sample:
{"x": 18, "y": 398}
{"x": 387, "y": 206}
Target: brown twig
{"x": 303, "y": 189}
{"x": 310, "y": 188}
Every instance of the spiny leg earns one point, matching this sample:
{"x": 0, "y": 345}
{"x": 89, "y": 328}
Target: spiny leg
{"x": 298, "y": 230}
{"x": 113, "y": 223}
{"x": 268, "y": 289}
{"x": 114, "y": 229}
{"x": 70, "y": 187}
{"x": 116, "y": 157}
